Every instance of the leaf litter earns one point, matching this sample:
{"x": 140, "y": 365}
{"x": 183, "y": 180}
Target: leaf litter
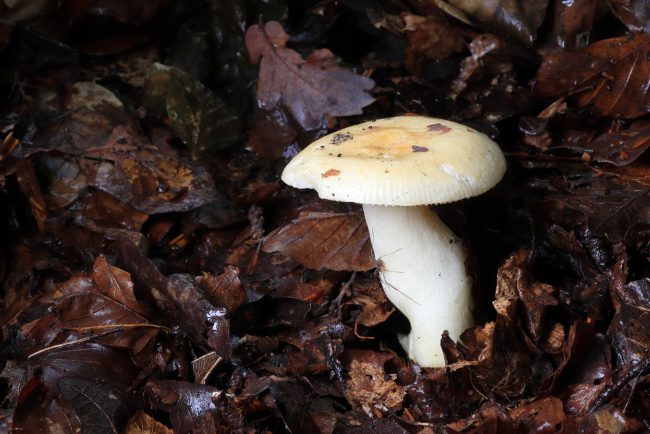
{"x": 158, "y": 277}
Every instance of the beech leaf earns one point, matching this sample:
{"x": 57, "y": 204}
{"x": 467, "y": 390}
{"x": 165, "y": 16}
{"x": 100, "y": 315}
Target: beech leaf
{"x": 324, "y": 240}
{"x": 311, "y": 88}
{"x": 612, "y": 74}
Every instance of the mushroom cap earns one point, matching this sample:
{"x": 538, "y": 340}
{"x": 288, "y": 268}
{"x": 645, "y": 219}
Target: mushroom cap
{"x": 404, "y": 160}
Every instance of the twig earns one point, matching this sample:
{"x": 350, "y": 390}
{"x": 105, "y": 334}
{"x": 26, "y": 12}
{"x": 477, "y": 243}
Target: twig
{"x": 635, "y": 371}
{"x": 344, "y": 290}
{"x": 71, "y": 343}
{"x": 116, "y": 326}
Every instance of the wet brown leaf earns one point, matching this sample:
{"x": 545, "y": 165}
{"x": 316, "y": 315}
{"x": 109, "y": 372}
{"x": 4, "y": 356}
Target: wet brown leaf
{"x": 629, "y": 330}
{"x": 324, "y": 240}
{"x": 102, "y": 147}
{"x": 430, "y": 37}
{"x": 514, "y": 282}
{"x": 311, "y": 89}
{"x": 572, "y": 22}
{"x": 612, "y": 75}
{"x": 517, "y": 18}
{"x": 224, "y": 290}
{"x": 142, "y": 423}
{"x": 542, "y": 416}
{"x": 191, "y": 406}
{"x": 621, "y": 146}
{"x": 635, "y": 14}
{"x": 206, "y": 323}
{"x": 39, "y": 411}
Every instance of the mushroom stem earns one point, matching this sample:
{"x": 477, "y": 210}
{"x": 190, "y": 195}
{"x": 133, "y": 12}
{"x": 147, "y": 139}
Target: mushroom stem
{"x": 421, "y": 265}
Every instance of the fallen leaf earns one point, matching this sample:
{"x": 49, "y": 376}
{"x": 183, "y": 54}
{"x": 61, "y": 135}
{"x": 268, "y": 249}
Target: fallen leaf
{"x": 430, "y": 37}
{"x": 629, "y": 330}
{"x": 38, "y": 409}
{"x": 635, "y": 14}
{"x": 324, "y": 240}
{"x": 572, "y": 24}
{"x": 142, "y": 423}
{"x": 542, "y": 416}
{"x": 516, "y": 18}
{"x": 204, "y": 365}
{"x": 311, "y": 89}
{"x": 197, "y": 115}
{"x": 612, "y": 75}
{"x": 100, "y": 407}
{"x": 207, "y": 324}
{"x": 369, "y": 386}
{"x": 191, "y": 406}
{"x": 369, "y": 295}
{"x": 224, "y": 290}
{"x": 514, "y": 282}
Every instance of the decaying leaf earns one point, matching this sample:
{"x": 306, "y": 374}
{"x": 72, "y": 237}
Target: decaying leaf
{"x": 635, "y": 14}
{"x": 192, "y": 407}
{"x": 324, "y": 240}
{"x": 142, "y": 423}
{"x": 311, "y": 89}
{"x": 430, "y": 37}
{"x": 517, "y": 18}
{"x": 136, "y": 296}
{"x": 198, "y": 116}
{"x": 612, "y": 75}
{"x": 369, "y": 386}
{"x": 99, "y": 145}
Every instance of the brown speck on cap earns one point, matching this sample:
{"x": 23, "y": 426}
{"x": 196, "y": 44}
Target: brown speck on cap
{"x": 440, "y": 128}
{"x": 340, "y": 138}
{"x": 399, "y": 162}
{"x": 331, "y": 172}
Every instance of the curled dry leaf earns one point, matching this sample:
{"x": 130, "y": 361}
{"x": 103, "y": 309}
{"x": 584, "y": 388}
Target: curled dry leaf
{"x": 324, "y": 240}
{"x": 613, "y": 75}
{"x": 311, "y": 89}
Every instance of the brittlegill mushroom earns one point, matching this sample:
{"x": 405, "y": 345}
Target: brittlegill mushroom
{"x": 395, "y": 168}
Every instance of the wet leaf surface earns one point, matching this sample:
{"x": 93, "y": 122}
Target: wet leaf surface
{"x": 611, "y": 75}
{"x": 342, "y": 241}
{"x": 157, "y": 276}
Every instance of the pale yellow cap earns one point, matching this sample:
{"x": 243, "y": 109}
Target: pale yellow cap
{"x": 404, "y": 160}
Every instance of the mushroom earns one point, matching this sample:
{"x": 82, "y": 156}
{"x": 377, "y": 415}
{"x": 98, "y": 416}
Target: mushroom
{"x": 395, "y": 168}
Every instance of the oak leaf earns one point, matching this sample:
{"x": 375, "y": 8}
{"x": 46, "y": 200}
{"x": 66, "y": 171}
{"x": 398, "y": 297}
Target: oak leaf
{"x": 311, "y": 88}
